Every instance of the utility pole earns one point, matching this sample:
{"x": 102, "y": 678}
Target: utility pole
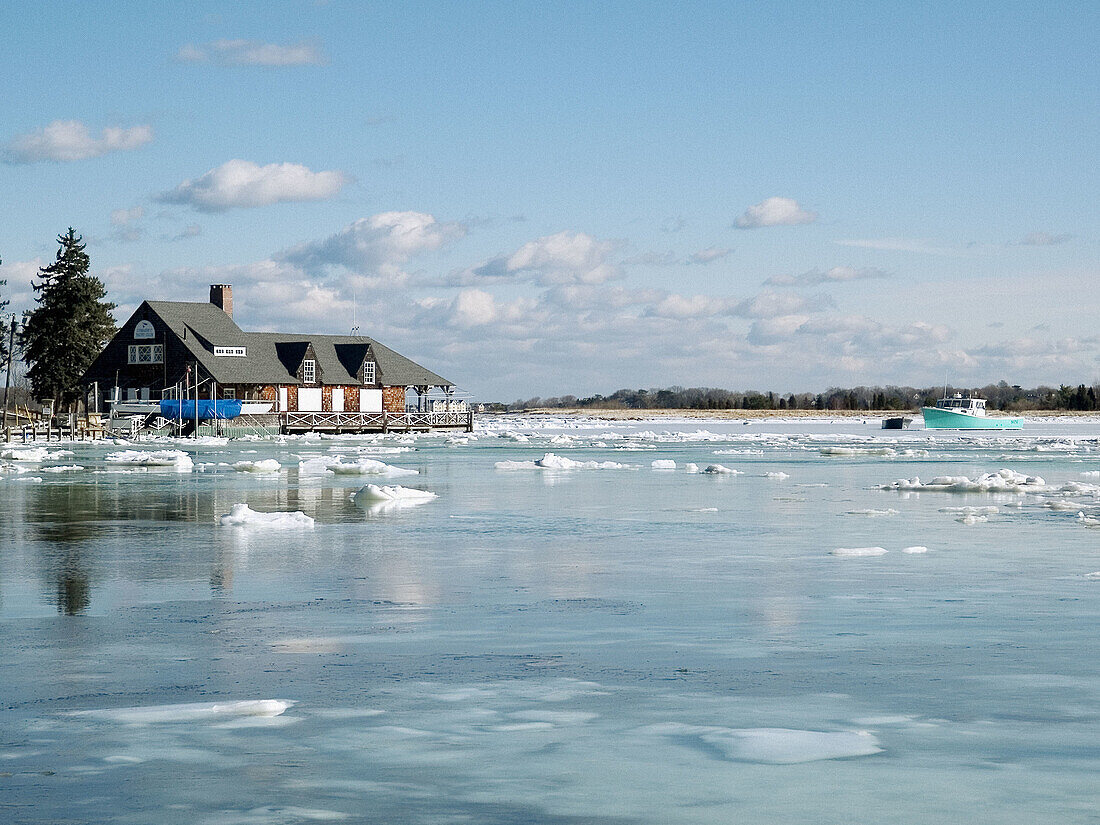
{"x": 7, "y": 380}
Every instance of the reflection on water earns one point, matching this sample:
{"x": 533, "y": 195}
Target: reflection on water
{"x": 599, "y": 645}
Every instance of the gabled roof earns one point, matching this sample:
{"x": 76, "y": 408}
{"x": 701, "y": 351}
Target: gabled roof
{"x": 274, "y": 357}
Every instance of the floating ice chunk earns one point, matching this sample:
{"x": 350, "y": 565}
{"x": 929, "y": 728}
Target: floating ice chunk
{"x": 373, "y": 494}
{"x": 190, "y": 712}
{"x": 1093, "y": 576}
{"x": 858, "y": 551}
{"x": 889, "y": 511}
{"x": 515, "y": 465}
{"x": 972, "y": 519}
{"x": 722, "y": 470}
{"x": 663, "y": 464}
{"x": 29, "y": 479}
{"x": 781, "y": 746}
{"x": 691, "y": 468}
{"x": 857, "y": 451}
{"x": 779, "y": 476}
{"x": 972, "y": 511}
{"x": 1054, "y": 504}
{"x": 61, "y": 468}
{"x": 1087, "y": 521}
{"x": 1091, "y": 474}
{"x": 550, "y": 461}
{"x": 267, "y": 465}
{"x": 360, "y": 466}
{"x": 32, "y": 453}
{"x": 1002, "y": 481}
{"x": 176, "y": 460}
{"x": 916, "y": 548}
{"x": 242, "y": 516}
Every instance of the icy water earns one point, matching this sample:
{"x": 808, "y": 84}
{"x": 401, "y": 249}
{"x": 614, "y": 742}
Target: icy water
{"x": 616, "y": 641}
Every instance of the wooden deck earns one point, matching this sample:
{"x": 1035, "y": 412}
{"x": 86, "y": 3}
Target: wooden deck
{"x": 381, "y": 422}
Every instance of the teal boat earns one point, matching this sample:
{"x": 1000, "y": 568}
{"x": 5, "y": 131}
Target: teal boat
{"x": 965, "y": 413}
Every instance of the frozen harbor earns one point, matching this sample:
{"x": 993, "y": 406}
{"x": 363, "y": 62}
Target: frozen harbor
{"x": 555, "y": 621}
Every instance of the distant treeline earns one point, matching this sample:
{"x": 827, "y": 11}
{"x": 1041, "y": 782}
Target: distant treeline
{"x": 1000, "y": 396}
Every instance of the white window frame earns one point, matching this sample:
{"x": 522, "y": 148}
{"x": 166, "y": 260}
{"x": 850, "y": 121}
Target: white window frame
{"x": 231, "y": 352}
{"x": 309, "y": 371}
{"x": 145, "y": 354}
{"x": 368, "y": 372}
{"x": 229, "y": 393}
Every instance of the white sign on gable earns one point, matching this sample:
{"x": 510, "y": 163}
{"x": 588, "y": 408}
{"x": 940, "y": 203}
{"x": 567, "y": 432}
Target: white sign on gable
{"x": 144, "y": 330}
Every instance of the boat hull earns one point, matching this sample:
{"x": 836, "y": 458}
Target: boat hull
{"x": 937, "y": 419}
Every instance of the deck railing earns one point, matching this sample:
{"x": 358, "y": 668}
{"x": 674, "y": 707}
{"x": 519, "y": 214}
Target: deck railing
{"x": 377, "y": 421}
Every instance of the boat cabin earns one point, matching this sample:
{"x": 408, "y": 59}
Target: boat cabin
{"x": 964, "y": 405}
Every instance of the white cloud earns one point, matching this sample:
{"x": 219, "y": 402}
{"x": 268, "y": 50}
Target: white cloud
{"x": 691, "y": 306}
{"x": 125, "y": 217}
{"x": 773, "y": 304}
{"x": 1044, "y": 239}
{"x": 709, "y": 255}
{"x": 775, "y": 212}
{"x": 377, "y": 246}
{"x": 253, "y": 53}
{"x": 923, "y": 246}
{"x": 838, "y": 274}
{"x": 69, "y": 140}
{"x": 563, "y": 258}
{"x": 243, "y": 184}
{"x": 766, "y": 331}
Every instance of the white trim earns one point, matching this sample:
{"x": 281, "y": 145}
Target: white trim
{"x": 309, "y": 371}
{"x": 231, "y": 352}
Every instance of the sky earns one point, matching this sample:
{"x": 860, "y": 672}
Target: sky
{"x": 540, "y": 199}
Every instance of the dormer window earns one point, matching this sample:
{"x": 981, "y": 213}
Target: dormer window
{"x": 368, "y": 372}
{"x": 309, "y": 371}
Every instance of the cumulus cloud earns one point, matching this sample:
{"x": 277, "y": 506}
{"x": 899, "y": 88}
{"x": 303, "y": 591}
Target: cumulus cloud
{"x": 377, "y": 246}
{"x": 774, "y": 304}
{"x": 563, "y": 258}
{"x": 774, "y": 212}
{"x": 253, "y": 53}
{"x": 1044, "y": 239}
{"x": 838, "y": 274}
{"x": 692, "y": 306}
{"x": 69, "y": 140}
{"x": 125, "y": 217}
{"x": 243, "y": 184}
{"x": 709, "y": 255}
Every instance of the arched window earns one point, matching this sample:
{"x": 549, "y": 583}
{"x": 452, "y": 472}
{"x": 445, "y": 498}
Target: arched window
{"x": 144, "y": 330}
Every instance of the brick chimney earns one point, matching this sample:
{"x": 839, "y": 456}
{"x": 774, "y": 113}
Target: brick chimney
{"x": 221, "y": 296}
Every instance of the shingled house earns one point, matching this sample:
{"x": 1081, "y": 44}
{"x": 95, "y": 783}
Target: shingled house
{"x": 174, "y": 349}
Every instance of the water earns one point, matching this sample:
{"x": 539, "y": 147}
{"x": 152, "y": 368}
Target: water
{"x": 557, "y": 646}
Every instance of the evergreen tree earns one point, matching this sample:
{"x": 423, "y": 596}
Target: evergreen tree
{"x": 3, "y": 328}
{"x": 70, "y": 326}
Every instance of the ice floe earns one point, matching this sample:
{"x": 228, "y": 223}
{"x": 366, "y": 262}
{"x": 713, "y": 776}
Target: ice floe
{"x": 663, "y": 464}
{"x": 189, "y": 712}
{"x": 241, "y": 515}
{"x": 550, "y": 461}
{"x": 857, "y": 451}
{"x": 1001, "y": 481}
{"x": 776, "y": 746}
{"x": 360, "y": 466}
{"x": 169, "y": 459}
{"x": 373, "y": 494}
{"x": 722, "y": 470}
{"x": 778, "y": 476}
{"x": 872, "y": 513}
{"x": 266, "y": 465}
{"x": 916, "y": 548}
{"x": 34, "y": 454}
{"x": 855, "y": 552}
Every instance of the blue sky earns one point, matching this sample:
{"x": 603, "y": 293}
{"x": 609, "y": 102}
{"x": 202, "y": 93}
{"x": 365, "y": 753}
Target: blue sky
{"x": 571, "y": 197}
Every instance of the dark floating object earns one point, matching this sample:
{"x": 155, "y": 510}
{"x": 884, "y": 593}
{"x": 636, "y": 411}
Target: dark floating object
{"x": 898, "y": 423}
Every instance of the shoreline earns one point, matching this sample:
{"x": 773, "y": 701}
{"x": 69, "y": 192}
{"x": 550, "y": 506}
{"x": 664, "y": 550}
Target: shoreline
{"x": 760, "y": 415}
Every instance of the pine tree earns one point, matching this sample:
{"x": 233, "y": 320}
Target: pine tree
{"x": 70, "y": 326}
{"x": 3, "y": 328}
